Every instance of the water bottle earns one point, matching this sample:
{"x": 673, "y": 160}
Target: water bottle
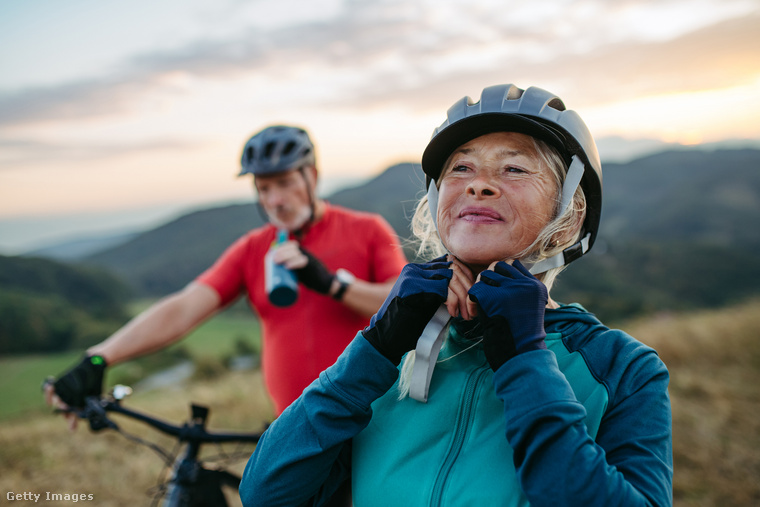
{"x": 281, "y": 283}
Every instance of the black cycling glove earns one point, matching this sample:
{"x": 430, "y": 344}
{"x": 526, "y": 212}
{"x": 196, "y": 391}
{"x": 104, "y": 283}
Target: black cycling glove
{"x": 315, "y": 274}
{"x": 85, "y": 379}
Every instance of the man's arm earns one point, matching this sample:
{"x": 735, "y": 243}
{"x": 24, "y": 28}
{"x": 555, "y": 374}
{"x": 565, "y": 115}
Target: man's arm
{"x": 164, "y": 323}
{"x": 364, "y": 298}
{"x": 157, "y": 327}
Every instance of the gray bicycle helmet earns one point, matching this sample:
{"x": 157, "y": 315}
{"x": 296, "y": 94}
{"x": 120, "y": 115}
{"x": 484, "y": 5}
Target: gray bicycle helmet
{"x": 276, "y": 149}
{"x": 537, "y": 113}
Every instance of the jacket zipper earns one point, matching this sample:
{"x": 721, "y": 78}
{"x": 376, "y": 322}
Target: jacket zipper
{"x": 462, "y": 427}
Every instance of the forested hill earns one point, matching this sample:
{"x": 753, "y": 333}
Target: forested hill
{"x": 49, "y": 306}
{"x": 679, "y": 230}
{"x": 710, "y": 196}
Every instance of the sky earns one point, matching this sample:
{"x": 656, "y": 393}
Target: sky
{"x": 116, "y": 115}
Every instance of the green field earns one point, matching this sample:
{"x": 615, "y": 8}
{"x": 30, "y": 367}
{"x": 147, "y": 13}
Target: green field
{"x": 214, "y": 341}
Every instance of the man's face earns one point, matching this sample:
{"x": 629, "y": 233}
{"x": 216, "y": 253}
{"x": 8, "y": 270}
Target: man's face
{"x": 286, "y": 197}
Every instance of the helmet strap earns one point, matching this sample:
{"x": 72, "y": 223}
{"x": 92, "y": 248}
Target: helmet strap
{"x": 572, "y": 180}
{"x": 426, "y": 354}
{"x": 312, "y": 202}
{"x": 566, "y": 256}
{"x": 311, "y": 192}
{"x": 432, "y": 196}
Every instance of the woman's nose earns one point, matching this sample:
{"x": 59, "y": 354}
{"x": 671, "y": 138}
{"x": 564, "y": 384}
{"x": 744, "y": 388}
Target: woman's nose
{"x": 482, "y": 186}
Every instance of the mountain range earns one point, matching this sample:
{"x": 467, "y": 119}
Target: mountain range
{"x": 679, "y": 230}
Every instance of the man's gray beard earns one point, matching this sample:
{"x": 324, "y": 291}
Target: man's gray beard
{"x": 305, "y": 216}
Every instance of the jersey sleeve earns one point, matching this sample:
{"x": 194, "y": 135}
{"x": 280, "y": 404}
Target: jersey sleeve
{"x": 630, "y": 463}
{"x": 227, "y": 275}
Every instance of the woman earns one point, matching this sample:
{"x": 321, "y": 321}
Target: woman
{"x": 530, "y": 402}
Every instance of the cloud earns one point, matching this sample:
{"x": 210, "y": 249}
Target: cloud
{"x": 376, "y": 54}
{"x": 18, "y": 153}
{"x": 79, "y": 100}
{"x": 719, "y": 56}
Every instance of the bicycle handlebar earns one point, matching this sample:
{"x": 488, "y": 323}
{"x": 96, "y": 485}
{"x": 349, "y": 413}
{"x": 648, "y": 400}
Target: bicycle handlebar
{"x": 191, "y": 483}
{"x": 96, "y": 409}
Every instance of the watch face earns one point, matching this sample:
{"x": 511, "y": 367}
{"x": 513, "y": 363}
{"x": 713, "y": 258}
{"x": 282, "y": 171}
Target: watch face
{"x": 345, "y": 276}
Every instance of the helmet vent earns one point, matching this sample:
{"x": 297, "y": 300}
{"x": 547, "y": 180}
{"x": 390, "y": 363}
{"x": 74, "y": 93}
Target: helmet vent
{"x": 514, "y": 93}
{"x": 288, "y": 148}
{"x": 276, "y": 149}
{"x": 557, "y": 104}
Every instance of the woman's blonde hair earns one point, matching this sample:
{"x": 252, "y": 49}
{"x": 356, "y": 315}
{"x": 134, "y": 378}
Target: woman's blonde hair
{"x": 561, "y": 232}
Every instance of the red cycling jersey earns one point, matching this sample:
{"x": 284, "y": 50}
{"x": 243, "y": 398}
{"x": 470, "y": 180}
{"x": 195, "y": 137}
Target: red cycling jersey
{"x": 301, "y": 340}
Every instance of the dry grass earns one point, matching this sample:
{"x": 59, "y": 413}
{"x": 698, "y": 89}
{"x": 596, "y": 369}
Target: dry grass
{"x": 714, "y": 363}
{"x": 713, "y": 358}
{"x": 38, "y": 454}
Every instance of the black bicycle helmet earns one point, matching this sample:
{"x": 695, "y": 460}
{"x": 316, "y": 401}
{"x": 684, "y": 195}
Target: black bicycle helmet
{"x": 534, "y": 112}
{"x": 276, "y": 149}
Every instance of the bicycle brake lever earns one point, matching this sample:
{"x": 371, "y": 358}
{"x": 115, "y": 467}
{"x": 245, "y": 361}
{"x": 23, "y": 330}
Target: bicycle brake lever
{"x": 95, "y": 413}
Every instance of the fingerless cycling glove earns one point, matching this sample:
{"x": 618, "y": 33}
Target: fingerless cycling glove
{"x": 85, "y": 379}
{"x": 315, "y": 274}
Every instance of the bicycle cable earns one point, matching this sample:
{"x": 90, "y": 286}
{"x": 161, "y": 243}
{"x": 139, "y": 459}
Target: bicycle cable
{"x": 159, "y": 490}
{"x": 167, "y": 458}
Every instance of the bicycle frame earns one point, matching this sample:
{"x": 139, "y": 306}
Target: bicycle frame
{"x": 190, "y": 485}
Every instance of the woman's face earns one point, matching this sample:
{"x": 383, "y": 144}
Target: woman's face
{"x": 495, "y": 197}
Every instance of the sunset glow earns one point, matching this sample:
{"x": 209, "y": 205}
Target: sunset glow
{"x": 95, "y": 120}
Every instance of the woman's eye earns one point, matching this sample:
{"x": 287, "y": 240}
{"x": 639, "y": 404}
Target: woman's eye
{"x": 459, "y": 168}
{"x": 512, "y": 169}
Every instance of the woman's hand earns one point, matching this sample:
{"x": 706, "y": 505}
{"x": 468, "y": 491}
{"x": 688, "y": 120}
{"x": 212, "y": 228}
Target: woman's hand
{"x": 511, "y": 304}
{"x": 458, "y": 302}
{"x": 418, "y": 292}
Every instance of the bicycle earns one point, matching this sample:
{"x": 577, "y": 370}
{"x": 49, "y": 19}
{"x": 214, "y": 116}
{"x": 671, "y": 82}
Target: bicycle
{"x": 191, "y": 483}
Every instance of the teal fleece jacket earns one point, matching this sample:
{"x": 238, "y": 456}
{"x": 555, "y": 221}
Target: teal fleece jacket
{"x": 584, "y": 423}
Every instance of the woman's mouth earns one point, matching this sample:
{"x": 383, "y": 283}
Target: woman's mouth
{"x": 480, "y": 215}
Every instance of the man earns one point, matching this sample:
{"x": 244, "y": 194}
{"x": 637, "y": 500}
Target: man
{"x": 345, "y": 261}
